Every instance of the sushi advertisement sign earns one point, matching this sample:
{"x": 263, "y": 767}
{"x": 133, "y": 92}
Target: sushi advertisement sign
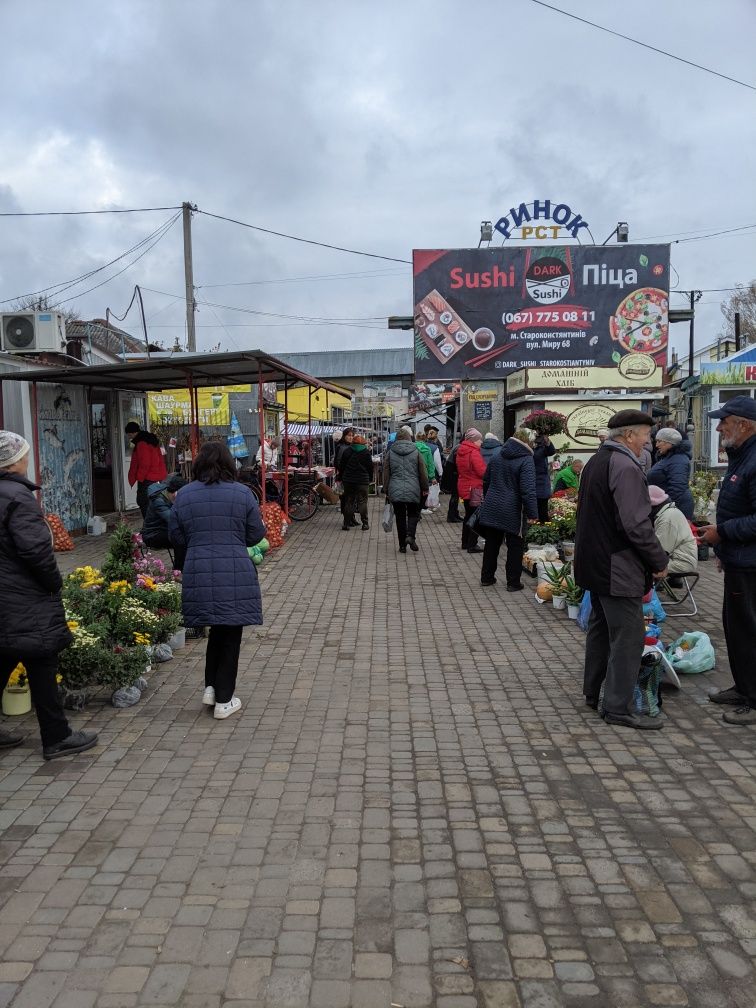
{"x": 484, "y": 313}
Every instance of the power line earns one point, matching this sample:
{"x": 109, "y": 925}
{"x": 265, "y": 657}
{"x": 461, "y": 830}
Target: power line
{"x": 64, "y": 285}
{"x": 306, "y": 241}
{"x": 166, "y": 228}
{"x": 299, "y": 318}
{"x": 645, "y": 45}
{"x": 362, "y": 275}
{"x": 81, "y": 213}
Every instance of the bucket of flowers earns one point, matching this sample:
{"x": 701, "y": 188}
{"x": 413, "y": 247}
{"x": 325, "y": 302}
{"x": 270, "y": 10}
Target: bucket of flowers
{"x": 16, "y": 695}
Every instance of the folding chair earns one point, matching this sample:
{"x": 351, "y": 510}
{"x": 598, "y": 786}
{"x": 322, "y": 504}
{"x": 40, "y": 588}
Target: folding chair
{"x": 679, "y": 596}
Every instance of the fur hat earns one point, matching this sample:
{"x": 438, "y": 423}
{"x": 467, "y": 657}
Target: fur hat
{"x": 13, "y": 447}
{"x": 670, "y": 435}
{"x": 657, "y": 495}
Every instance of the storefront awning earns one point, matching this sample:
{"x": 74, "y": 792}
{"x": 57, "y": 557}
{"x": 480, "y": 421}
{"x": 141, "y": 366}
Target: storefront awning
{"x": 304, "y": 430}
{"x": 177, "y": 372}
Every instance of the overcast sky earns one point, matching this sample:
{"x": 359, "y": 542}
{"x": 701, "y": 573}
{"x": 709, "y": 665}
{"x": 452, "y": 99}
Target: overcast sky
{"x": 378, "y": 126}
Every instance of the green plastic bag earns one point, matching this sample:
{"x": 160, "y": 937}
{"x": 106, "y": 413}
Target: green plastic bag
{"x": 692, "y": 653}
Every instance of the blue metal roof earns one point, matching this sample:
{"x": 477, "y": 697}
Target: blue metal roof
{"x": 389, "y": 362}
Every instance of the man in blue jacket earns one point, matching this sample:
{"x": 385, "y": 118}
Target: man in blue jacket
{"x": 734, "y": 541}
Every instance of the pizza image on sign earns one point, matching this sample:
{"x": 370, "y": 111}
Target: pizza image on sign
{"x": 641, "y": 322}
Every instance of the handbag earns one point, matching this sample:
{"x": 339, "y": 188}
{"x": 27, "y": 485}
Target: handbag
{"x": 476, "y": 496}
{"x": 387, "y": 518}
{"x": 473, "y": 522}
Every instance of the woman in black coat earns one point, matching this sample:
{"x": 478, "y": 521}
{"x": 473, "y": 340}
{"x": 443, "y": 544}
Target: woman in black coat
{"x": 347, "y": 436}
{"x": 33, "y": 628}
{"x": 543, "y": 449}
{"x": 356, "y": 473}
{"x": 671, "y": 471}
{"x": 509, "y": 499}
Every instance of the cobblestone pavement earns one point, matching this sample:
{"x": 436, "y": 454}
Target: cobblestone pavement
{"x": 414, "y": 808}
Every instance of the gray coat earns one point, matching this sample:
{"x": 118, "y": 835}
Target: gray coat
{"x": 405, "y": 478}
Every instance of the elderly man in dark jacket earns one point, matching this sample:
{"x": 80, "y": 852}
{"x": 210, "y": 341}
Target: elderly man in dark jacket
{"x": 33, "y": 628}
{"x": 155, "y": 529}
{"x": 616, "y": 554}
{"x": 509, "y": 499}
{"x": 734, "y": 541}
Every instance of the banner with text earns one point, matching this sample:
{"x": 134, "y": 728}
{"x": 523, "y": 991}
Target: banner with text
{"x": 482, "y": 313}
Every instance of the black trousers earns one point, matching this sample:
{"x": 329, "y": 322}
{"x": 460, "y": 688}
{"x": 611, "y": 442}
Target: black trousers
{"x": 739, "y": 621}
{"x": 356, "y": 499}
{"x": 469, "y": 538}
{"x": 222, "y": 660}
{"x": 42, "y": 671}
{"x": 453, "y": 511}
{"x": 613, "y": 650}
{"x": 543, "y": 510}
{"x": 515, "y": 548}
{"x": 141, "y": 495}
{"x": 406, "y": 515}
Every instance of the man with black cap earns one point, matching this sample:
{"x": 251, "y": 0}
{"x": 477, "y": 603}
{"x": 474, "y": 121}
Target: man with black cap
{"x": 734, "y": 541}
{"x": 617, "y": 554}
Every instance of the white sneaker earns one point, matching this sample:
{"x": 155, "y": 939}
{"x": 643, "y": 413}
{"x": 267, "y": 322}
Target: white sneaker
{"x": 208, "y": 697}
{"x": 224, "y": 710}
{"x": 427, "y": 511}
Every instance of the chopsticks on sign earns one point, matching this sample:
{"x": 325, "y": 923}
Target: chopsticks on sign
{"x": 489, "y": 355}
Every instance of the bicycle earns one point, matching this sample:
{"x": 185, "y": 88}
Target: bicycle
{"x": 303, "y": 501}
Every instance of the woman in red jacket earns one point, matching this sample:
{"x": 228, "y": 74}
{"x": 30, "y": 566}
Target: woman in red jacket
{"x": 147, "y": 463}
{"x": 470, "y": 470}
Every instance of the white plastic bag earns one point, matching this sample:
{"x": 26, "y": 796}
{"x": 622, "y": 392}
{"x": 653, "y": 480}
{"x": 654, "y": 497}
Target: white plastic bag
{"x": 387, "y": 519}
{"x": 433, "y": 496}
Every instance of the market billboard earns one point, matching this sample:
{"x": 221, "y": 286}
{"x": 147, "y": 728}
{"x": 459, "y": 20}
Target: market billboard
{"x": 483, "y": 313}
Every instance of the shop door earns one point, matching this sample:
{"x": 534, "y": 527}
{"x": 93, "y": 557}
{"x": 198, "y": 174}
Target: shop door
{"x": 131, "y": 406}
{"x": 102, "y": 455}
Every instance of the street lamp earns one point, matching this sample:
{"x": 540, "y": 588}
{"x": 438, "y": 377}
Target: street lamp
{"x": 623, "y": 231}
{"x": 486, "y": 232}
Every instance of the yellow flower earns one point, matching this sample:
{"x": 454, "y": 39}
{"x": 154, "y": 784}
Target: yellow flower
{"x": 72, "y": 624}
{"x": 18, "y": 676}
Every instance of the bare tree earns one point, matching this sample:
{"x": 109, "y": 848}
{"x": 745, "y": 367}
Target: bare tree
{"x": 743, "y": 300}
{"x": 42, "y": 303}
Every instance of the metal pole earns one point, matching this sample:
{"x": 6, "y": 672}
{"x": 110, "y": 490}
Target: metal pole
{"x": 191, "y": 340}
{"x": 286, "y": 450}
{"x": 737, "y": 331}
{"x": 690, "y": 336}
{"x": 309, "y": 427}
{"x": 2, "y": 414}
{"x": 193, "y": 417}
{"x": 35, "y": 435}
{"x": 261, "y": 419}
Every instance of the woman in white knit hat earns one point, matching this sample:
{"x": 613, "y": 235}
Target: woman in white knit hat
{"x": 33, "y": 629}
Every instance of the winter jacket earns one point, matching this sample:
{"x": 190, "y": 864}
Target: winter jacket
{"x": 356, "y": 465}
{"x": 673, "y": 532}
{"x": 405, "y": 478}
{"x": 33, "y": 620}
{"x": 509, "y": 487}
{"x": 645, "y": 461}
{"x": 542, "y": 452}
{"x": 450, "y": 474}
{"x": 159, "y": 505}
{"x": 470, "y": 469}
{"x": 566, "y": 479}
{"x": 216, "y": 522}
{"x": 616, "y": 549}
{"x": 736, "y": 509}
{"x": 489, "y": 448}
{"x": 427, "y": 456}
{"x": 672, "y": 473}
{"x": 147, "y": 462}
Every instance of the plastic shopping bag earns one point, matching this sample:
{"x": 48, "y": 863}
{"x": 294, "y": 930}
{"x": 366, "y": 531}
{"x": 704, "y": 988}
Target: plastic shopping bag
{"x": 584, "y": 612}
{"x": 692, "y": 653}
{"x": 433, "y": 496}
{"x": 387, "y": 518}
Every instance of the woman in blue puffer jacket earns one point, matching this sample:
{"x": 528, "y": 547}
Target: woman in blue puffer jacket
{"x": 672, "y": 471}
{"x": 215, "y": 519}
{"x": 509, "y": 500}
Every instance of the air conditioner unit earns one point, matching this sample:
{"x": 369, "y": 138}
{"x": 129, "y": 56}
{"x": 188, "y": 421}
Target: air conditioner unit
{"x": 25, "y": 332}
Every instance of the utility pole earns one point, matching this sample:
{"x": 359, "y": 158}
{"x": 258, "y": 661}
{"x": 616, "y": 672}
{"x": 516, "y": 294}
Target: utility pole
{"x": 694, "y": 296}
{"x": 191, "y": 336}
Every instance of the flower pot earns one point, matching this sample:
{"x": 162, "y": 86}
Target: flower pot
{"x": 16, "y": 700}
{"x": 572, "y": 611}
{"x": 559, "y": 601}
{"x": 177, "y": 640}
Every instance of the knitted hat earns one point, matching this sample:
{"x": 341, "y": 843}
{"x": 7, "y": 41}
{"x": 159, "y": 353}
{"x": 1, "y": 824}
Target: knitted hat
{"x": 670, "y": 435}
{"x": 13, "y": 447}
{"x": 473, "y": 434}
{"x": 490, "y": 437}
{"x": 657, "y": 495}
